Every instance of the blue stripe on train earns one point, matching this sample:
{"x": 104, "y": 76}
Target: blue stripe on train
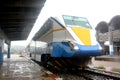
{"x": 63, "y": 49}
{"x": 88, "y": 50}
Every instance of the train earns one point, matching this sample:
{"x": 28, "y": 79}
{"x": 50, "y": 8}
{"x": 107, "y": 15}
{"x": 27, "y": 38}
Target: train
{"x": 65, "y": 42}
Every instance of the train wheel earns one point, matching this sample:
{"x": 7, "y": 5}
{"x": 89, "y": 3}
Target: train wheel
{"x": 44, "y": 59}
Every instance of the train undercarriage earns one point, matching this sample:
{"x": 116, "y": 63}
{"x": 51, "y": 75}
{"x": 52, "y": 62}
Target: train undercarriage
{"x": 65, "y": 63}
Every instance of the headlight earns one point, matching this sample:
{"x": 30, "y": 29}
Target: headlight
{"x": 76, "y": 48}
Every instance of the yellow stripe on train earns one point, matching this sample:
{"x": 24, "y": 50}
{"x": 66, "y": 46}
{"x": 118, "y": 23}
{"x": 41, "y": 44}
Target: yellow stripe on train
{"x": 83, "y": 34}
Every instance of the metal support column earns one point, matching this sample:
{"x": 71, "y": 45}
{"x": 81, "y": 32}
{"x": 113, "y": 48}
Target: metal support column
{"x": 9, "y": 55}
{"x": 111, "y": 50}
{"x": 1, "y": 50}
{"x": 97, "y": 35}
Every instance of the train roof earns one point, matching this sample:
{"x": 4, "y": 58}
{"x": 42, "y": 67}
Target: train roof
{"x": 44, "y": 28}
{"x": 60, "y": 20}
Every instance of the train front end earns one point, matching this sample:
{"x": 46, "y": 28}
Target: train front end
{"x": 79, "y": 46}
{"x": 84, "y": 42}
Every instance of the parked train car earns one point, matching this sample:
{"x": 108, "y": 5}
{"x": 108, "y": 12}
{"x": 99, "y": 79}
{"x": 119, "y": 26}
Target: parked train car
{"x": 69, "y": 41}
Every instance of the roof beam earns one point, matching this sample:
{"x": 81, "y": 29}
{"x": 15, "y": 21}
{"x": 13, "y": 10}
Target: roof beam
{"x": 20, "y": 9}
{"x": 24, "y": 3}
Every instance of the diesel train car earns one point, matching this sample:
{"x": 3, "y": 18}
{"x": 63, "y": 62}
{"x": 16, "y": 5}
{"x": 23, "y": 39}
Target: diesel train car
{"x": 69, "y": 41}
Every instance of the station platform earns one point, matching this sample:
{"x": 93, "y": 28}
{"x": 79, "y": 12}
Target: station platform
{"x": 110, "y": 63}
{"x": 22, "y": 68}
{"x": 108, "y": 58}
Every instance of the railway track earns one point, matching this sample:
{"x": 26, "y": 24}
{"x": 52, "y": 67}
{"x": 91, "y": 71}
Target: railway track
{"x": 105, "y": 74}
{"x": 86, "y": 74}
{"x": 89, "y": 74}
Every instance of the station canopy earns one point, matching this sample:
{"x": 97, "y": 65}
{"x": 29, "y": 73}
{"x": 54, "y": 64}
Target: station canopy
{"x": 17, "y": 17}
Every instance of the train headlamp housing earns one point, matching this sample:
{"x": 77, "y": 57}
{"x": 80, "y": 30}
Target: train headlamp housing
{"x": 73, "y": 46}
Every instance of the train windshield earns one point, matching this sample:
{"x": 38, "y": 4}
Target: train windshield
{"x": 72, "y": 21}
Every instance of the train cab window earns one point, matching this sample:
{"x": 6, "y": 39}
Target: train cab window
{"x": 72, "y": 21}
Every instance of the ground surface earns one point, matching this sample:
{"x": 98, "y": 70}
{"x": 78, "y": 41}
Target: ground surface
{"x": 21, "y": 68}
{"x": 108, "y": 64}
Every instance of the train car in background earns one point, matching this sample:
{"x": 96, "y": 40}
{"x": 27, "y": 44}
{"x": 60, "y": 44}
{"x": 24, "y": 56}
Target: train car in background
{"x": 69, "y": 41}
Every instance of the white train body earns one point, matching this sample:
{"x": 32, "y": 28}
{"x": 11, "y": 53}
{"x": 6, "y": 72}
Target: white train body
{"x": 66, "y": 37}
